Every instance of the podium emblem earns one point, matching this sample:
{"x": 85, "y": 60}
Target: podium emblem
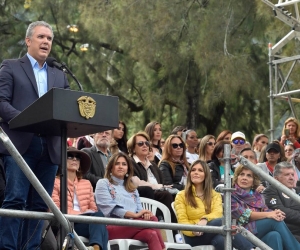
{"x": 87, "y": 106}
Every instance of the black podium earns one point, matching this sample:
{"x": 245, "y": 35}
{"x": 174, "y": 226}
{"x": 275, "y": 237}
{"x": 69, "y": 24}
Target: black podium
{"x": 68, "y": 113}
{"x": 58, "y": 110}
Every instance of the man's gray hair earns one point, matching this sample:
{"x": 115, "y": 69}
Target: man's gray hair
{"x": 31, "y": 27}
{"x": 281, "y": 165}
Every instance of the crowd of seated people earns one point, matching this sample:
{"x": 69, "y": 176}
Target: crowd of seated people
{"x": 141, "y": 167}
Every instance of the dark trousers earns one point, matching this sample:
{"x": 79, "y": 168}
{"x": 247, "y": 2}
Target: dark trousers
{"x": 217, "y": 240}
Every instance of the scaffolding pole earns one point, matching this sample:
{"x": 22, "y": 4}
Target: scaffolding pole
{"x": 271, "y": 93}
{"x": 38, "y": 187}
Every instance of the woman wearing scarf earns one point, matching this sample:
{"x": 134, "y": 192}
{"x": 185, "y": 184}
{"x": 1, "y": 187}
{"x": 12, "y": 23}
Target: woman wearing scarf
{"x": 173, "y": 163}
{"x": 249, "y": 209}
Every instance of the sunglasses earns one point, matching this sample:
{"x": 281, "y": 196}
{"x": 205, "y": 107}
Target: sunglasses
{"x": 141, "y": 143}
{"x": 71, "y": 157}
{"x": 237, "y": 141}
{"x": 210, "y": 143}
{"x": 176, "y": 145}
{"x": 288, "y": 150}
{"x": 119, "y": 128}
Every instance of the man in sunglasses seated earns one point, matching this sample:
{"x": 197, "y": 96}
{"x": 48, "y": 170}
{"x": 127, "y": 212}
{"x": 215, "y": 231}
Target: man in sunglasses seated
{"x": 99, "y": 154}
{"x": 238, "y": 143}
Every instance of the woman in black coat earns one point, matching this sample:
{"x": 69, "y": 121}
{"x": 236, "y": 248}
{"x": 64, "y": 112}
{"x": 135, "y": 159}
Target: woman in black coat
{"x": 174, "y": 165}
{"x": 148, "y": 177}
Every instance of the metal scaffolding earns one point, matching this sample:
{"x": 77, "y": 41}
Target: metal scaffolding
{"x": 64, "y": 219}
{"x": 275, "y": 72}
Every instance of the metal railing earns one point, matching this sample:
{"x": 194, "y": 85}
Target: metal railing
{"x": 64, "y": 219}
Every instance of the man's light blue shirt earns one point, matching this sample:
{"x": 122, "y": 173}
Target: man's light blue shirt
{"x": 40, "y": 75}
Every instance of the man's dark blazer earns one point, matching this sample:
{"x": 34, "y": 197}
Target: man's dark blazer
{"x": 18, "y": 89}
{"x": 276, "y": 199}
{"x": 97, "y": 169}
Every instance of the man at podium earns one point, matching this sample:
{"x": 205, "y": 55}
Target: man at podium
{"x": 23, "y": 81}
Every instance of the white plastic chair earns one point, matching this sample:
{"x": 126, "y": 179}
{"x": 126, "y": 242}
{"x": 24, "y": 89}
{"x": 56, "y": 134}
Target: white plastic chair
{"x": 86, "y": 242}
{"x": 152, "y": 205}
{"x": 202, "y": 247}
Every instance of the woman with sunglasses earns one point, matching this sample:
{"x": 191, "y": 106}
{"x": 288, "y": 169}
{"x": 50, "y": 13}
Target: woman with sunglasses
{"x": 199, "y": 204}
{"x": 119, "y": 139}
{"x": 153, "y": 129}
{"x": 173, "y": 164}
{"x": 117, "y": 197}
{"x": 81, "y": 198}
{"x": 147, "y": 172}
{"x": 289, "y": 150}
{"x": 191, "y": 140}
{"x": 206, "y": 148}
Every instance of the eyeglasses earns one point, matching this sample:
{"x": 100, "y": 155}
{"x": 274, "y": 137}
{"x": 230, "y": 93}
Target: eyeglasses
{"x": 71, "y": 157}
{"x": 210, "y": 143}
{"x": 241, "y": 141}
{"x": 176, "y": 145}
{"x": 141, "y": 143}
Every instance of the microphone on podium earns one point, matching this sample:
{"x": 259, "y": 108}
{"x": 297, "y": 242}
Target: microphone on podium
{"x": 51, "y": 61}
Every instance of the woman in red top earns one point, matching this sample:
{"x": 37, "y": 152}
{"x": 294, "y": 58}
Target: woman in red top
{"x": 293, "y": 134}
{"x": 273, "y": 156}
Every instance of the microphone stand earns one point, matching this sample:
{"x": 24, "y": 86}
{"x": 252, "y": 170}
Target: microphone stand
{"x": 64, "y": 66}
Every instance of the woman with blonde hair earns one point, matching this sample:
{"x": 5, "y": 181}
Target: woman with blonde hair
{"x": 174, "y": 165}
{"x": 206, "y": 148}
{"x": 199, "y": 204}
{"x": 259, "y": 142}
{"x": 153, "y": 129}
{"x": 291, "y": 132}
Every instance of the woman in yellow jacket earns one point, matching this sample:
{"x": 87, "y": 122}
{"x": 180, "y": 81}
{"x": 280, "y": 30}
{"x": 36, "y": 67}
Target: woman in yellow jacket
{"x": 199, "y": 204}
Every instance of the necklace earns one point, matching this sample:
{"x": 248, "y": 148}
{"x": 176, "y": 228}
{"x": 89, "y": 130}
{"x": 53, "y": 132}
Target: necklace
{"x": 199, "y": 195}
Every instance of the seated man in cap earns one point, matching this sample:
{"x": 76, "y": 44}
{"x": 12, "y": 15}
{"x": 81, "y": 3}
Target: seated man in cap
{"x": 276, "y": 199}
{"x": 270, "y": 160}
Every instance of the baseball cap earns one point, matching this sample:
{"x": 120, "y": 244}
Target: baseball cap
{"x": 273, "y": 146}
{"x": 238, "y": 134}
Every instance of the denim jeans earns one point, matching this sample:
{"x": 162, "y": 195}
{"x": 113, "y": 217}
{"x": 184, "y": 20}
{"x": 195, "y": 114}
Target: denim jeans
{"x": 20, "y": 195}
{"x": 276, "y": 234}
{"x": 97, "y": 233}
{"x": 217, "y": 240}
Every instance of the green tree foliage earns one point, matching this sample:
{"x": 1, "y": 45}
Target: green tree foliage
{"x": 199, "y": 63}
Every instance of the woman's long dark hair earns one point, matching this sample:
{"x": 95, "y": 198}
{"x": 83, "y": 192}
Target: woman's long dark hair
{"x": 122, "y": 143}
{"x": 128, "y": 184}
{"x": 207, "y": 187}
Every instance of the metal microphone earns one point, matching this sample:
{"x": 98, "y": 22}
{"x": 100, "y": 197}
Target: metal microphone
{"x": 62, "y": 66}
